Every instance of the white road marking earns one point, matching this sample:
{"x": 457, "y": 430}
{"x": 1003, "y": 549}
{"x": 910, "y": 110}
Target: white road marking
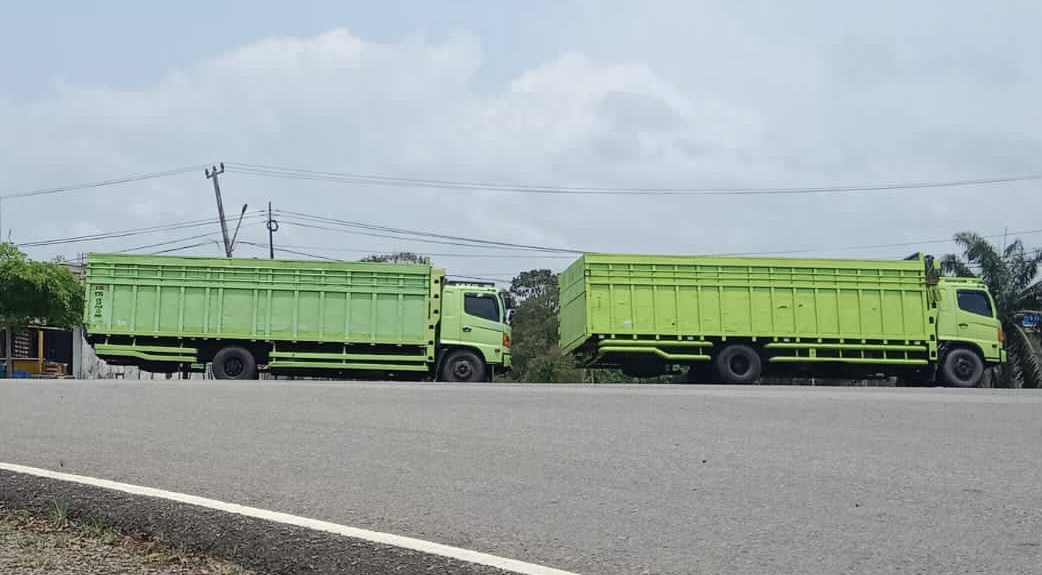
{"x": 285, "y": 518}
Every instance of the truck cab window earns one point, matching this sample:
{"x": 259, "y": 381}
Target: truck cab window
{"x": 975, "y": 302}
{"x": 481, "y": 305}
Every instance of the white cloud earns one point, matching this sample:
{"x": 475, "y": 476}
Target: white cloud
{"x": 694, "y": 111}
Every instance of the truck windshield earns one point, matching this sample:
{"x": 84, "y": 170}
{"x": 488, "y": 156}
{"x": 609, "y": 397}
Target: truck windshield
{"x": 483, "y": 305}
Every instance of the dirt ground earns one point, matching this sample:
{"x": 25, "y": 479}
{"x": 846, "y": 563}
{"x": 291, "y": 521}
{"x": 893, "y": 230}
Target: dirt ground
{"x": 52, "y": 544}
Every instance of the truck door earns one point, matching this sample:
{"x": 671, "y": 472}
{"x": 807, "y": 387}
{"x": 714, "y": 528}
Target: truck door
{"x": 482, "y": 321}
{"x": 976, "y": 321}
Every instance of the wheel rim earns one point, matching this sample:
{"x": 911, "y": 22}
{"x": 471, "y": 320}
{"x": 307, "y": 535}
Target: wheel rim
{"x": 739, "y": 365}
{"x": 233, "y": 366}
{"x": 963, "y": 367}
{"x": 462, "y": 369}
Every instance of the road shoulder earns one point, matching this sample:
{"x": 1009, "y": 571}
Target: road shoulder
{"x": 34, "y": 544}
{"x": 266, "y": 547}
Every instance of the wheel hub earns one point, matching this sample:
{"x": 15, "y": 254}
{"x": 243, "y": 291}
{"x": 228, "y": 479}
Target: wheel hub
{"x": 233, "y": 366}
{"x": 739, "y": 365}
{"x": 462, "y": 369}
{"x": 963, "y": 368}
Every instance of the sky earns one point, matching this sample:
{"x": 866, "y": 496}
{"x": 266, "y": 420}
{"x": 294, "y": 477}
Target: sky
{"x": 502, "y": 100}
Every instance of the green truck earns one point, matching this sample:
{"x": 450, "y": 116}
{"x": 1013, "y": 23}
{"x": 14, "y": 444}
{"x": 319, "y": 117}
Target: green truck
{"x": 737, "y": 319}
{"x": 359, "y": 320}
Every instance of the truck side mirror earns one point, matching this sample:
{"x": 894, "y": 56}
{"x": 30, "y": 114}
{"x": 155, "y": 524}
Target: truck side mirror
{"x": 510, "y": 315}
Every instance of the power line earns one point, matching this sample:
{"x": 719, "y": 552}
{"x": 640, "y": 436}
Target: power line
{"x": 353, "y": 178}
{"x": 91, "y": 185}
{"x": 493, "y": 255}
{"x": 506, "y": 245}
{"x": 102, "y": 183}
{"x": 356, "y": 178}
{"x": 315, "y": 256}
{"x": 124, "y": 233}
{"x": 343, "y": 230}
{"x": 118, "y": 234}
{"x": 297, "y": 249}
{"x": 295, "y": 252}
{"x": 431, "y": 236}
{"x": 166, "y": 243}
{"x": 869, "y": 246}
{"x": 182, "y": 248}
{"x": 162, "y": 244}
{"x": 344, "y": 226}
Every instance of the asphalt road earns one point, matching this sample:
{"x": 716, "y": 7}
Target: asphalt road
{"x": 594, "y": 479}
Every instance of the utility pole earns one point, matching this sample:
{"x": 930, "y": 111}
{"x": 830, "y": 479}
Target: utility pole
{"x": 212, "y": 174}
{"x": 273, "y": 226}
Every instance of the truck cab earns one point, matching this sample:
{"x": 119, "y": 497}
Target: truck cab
{"x": 967, "y": 319}
{"x": 474, "y": 326}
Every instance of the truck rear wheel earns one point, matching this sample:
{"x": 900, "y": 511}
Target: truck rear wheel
{"x": 234, "y": 362}
{"x": 962, "y": 368}
{"x": 738, "y": 364}
{"x": 463, "y": 366}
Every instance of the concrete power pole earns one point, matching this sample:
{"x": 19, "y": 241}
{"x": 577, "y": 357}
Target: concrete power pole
{"x": 212, "y": 175}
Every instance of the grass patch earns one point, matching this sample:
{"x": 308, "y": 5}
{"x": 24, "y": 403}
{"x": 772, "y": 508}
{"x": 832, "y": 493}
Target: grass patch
{"x": 60, "y": 515}
{"x": 54, "y": 542}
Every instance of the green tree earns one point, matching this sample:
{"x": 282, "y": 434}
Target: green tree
{"x": 1011, "y": 275}
{"x": 44, "y": 292}
{"x": 396, "y": 258}
{"x": 535, "y": 354}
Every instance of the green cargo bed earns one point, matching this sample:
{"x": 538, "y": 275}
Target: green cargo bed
{"x": 623, "y": 302}
{"x": 258, "y": 299}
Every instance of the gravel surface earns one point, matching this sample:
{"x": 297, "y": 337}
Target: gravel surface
{"x": 35, "y": 544}
{"x": 593, "y": 479}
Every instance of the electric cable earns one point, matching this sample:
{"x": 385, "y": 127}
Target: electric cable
{"x": 102, "y": 183}
{"x": 428, "y": 238}
{"x": 506, "y": 245}
{"x": 210, "y": 235}
{"x": 497, "y": 255}
{"x": 369, "y": 179}
{"x": 433, "y": 235}
{"x": 131, "y": 232}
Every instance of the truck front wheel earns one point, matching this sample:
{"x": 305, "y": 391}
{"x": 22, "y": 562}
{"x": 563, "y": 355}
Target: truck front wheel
{"x": 738, "y": 364}
{"x": 962, "y": 368}
{"x": 463, "y": 366}
{"x": 234, "y": 362}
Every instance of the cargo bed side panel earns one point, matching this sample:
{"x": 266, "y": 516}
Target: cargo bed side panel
{"x": 667, "y": 296}
{"x": 258, "y": 299}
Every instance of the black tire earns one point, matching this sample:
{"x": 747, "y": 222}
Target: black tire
{"x": 738, "y": 364}
{"x": 234, "y": 362}
{"x": 463, "y": 366}
{"x": 962, "y": 368}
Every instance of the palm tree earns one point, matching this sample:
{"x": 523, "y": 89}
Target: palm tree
{"x": 1011, "y": 275}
